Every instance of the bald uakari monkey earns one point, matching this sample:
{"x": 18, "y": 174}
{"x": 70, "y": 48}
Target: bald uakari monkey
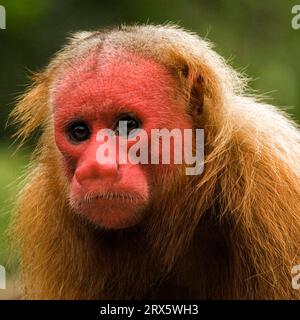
{"x": 93, "y": 230}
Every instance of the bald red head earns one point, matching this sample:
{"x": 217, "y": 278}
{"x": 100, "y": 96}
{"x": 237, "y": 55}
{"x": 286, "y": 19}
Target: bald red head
{"x": 94, "y": 94}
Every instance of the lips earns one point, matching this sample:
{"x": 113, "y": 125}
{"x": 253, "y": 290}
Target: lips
{"x": 112, "y": 199}
{"x": 113, "y": 196}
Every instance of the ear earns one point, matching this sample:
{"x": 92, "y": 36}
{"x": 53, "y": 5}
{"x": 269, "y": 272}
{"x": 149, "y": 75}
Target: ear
{"x": 32, "y": 110}
{"x": 197, "y": 96}
{"x": 201, "y": 85}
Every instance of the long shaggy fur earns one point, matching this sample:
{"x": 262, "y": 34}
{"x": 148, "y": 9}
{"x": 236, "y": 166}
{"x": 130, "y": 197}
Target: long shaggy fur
{"x": 233, "y": 232}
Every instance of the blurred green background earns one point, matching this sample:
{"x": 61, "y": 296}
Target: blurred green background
{"x": 256, "y": 37}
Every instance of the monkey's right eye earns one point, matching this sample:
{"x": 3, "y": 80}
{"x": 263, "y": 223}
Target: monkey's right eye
{"x": 78, "y": 131}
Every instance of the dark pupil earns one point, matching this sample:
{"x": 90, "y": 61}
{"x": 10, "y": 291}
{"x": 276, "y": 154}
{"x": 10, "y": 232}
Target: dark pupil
{"x": 132, "y": 124}
{"x": 79, "y": 132}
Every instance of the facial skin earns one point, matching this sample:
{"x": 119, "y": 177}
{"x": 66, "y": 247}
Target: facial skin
{"x": 96, "y": 94}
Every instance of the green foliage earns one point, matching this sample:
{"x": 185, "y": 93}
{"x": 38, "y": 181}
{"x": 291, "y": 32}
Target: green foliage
{"x": 11, "y": 165}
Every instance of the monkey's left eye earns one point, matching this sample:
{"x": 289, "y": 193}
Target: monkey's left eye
{"x": 78, "y": 131}
{"x": 127, "y": 124}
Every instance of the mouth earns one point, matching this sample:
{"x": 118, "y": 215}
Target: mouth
{"x": 113, "y": 199}
{"x": 111, "y": 210}
{"x": 113, "y": 196}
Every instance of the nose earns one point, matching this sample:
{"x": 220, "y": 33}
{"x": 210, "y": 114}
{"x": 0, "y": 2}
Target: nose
{"x": 91, "y": 171}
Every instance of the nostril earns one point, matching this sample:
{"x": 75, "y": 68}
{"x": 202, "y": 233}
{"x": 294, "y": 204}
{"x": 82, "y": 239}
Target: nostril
{"x": 93, "y": 170}
{"x": 84, "y": 173}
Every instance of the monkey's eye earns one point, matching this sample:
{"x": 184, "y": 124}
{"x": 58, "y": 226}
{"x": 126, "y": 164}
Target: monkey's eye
{"x": 127, "y": 125}
{"x": 78, "y": 131}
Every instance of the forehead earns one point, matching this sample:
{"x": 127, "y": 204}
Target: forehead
{"x": 102, "y": 81}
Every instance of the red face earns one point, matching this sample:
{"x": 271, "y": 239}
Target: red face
{"x": 96, "y": 94}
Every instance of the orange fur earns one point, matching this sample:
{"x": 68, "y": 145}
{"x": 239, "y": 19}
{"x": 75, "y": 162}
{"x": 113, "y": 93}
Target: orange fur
{"x": 233, "y": 232}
